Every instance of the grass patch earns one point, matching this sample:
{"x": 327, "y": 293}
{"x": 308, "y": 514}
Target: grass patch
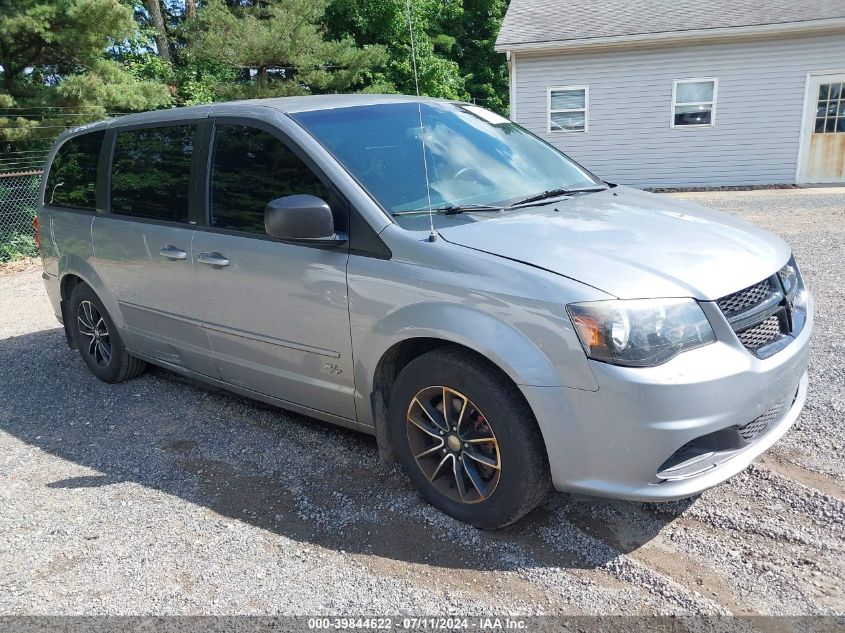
{"x": 16, "y": 245}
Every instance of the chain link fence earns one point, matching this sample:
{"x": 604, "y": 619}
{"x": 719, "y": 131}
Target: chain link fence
{"x": 18, "y": 200}
{"x": 26, "y": 134}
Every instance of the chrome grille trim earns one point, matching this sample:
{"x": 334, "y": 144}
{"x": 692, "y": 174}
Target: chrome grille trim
{"x": 755, "y": 314}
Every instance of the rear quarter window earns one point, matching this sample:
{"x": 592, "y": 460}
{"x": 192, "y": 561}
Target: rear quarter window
{"x": 72, "y": 180}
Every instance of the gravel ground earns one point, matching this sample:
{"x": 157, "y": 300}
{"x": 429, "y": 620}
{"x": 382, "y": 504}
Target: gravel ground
{"x": 160, "y": 496}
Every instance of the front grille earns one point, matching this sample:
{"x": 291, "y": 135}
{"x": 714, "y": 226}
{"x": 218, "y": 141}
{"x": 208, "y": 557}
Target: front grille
{"x": 759, "y": 315}
{"x": 761, "y": 334}
{"x": 760, "y": 424}
{"x": 744, "y": 299}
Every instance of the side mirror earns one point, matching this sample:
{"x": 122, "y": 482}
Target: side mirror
{"x": 301, "y": 218}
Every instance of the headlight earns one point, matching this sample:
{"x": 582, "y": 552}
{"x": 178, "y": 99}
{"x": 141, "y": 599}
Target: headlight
{"x": 640, "y": 332}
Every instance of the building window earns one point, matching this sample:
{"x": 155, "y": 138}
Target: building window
{"x": 694, "y": 102}
{"x": 830, "y": 112}
{"x": 568, "y": 109}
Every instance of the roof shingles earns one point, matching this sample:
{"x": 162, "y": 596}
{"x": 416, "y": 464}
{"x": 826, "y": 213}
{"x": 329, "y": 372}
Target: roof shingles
{"x": 536, "y": 21}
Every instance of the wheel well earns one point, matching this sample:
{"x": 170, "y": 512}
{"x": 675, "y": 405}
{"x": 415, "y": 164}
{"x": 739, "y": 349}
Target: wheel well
{"x": 389, "y": 366}
{"x": 69, "y": 282}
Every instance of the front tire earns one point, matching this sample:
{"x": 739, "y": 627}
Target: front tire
{"x": 467, "y": 439}
{"x": 98, "y": 339}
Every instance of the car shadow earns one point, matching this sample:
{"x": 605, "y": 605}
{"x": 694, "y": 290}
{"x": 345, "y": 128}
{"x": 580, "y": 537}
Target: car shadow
{"x": 285, "y": 473}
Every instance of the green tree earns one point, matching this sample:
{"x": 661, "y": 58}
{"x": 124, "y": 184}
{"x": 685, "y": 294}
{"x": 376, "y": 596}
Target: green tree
{"x": 277, "y": 48}
{"x": 485, "y": 71}
{"x": 102, "y": 56}
{"x": 54, "y": 55}
{"x": 160, "y": 30}
{"x": 386, "y": 21}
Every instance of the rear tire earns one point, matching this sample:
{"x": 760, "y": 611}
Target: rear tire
{"x": 483, "y": 462}
{"x": 98, "y": 339}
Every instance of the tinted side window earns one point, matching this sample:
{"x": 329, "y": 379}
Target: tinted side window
{"x": 151, "y": 172}
{"x": 72, "y": 181}
{"x": 250, "y": 168}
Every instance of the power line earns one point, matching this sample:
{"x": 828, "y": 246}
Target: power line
{"x": 48, "y": 113}
{"x": 14, "y": 117}
{"x": 47, "y": 107}
{"x": 47, "y": 139}
{"x": 33, "y": 127}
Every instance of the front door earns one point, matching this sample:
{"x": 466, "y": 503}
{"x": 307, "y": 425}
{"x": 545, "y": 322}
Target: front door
{"x": 823, "y": 150}
{"x": 276, "y": 313}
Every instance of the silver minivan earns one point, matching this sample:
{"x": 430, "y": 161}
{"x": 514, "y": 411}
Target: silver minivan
{"x": 502, "y": 320}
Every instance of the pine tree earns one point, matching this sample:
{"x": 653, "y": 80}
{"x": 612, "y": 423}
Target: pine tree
{"x": 277, "y": 48}
{"x": 54, "y": 57}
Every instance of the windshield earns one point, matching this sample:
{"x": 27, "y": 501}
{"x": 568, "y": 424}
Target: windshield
{"x": 474, "y": 157}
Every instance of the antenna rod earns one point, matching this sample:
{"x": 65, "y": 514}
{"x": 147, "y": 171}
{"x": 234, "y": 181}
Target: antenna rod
{"x": 432, "y": 236}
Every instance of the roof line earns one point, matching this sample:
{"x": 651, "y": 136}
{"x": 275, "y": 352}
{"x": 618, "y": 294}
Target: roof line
{"x": 692, "y": 35}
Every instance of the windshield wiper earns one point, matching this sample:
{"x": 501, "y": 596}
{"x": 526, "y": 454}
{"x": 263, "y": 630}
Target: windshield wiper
{"x": 553, "y": 193}
{"x": 451, "y": 209}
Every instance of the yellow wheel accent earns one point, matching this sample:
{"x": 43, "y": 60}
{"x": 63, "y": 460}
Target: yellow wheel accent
{"x": 453, "y": 444}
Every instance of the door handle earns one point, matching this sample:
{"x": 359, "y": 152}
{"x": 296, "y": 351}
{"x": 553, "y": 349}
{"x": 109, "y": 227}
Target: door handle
{"x": 212, "y": 259}
{"x": 171, "y": 252}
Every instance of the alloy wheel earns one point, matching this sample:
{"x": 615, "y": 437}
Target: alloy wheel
{"x": 92, "y": 326}
{"x": 453, "y": 444}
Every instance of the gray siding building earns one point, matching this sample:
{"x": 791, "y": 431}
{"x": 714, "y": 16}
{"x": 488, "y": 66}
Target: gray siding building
{"x": 712, "y": 92}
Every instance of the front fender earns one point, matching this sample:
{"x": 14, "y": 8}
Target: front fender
{"x": 510, "y": 313}
{"x": 498, "y": 341}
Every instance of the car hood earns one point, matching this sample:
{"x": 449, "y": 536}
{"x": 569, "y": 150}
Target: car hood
{"x": 630, "y": 244}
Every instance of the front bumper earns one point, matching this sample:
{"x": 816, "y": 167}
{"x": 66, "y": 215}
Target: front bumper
{"x": 614, "y": 441}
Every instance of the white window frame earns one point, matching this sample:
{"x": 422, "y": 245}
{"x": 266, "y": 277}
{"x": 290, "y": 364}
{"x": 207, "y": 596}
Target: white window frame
{"x": 585, "y": 109}
{"x": 712, "y": 123}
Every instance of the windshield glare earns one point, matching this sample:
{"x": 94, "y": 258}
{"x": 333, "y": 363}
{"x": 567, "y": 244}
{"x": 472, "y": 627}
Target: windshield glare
{"x": 473, "y": 156}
